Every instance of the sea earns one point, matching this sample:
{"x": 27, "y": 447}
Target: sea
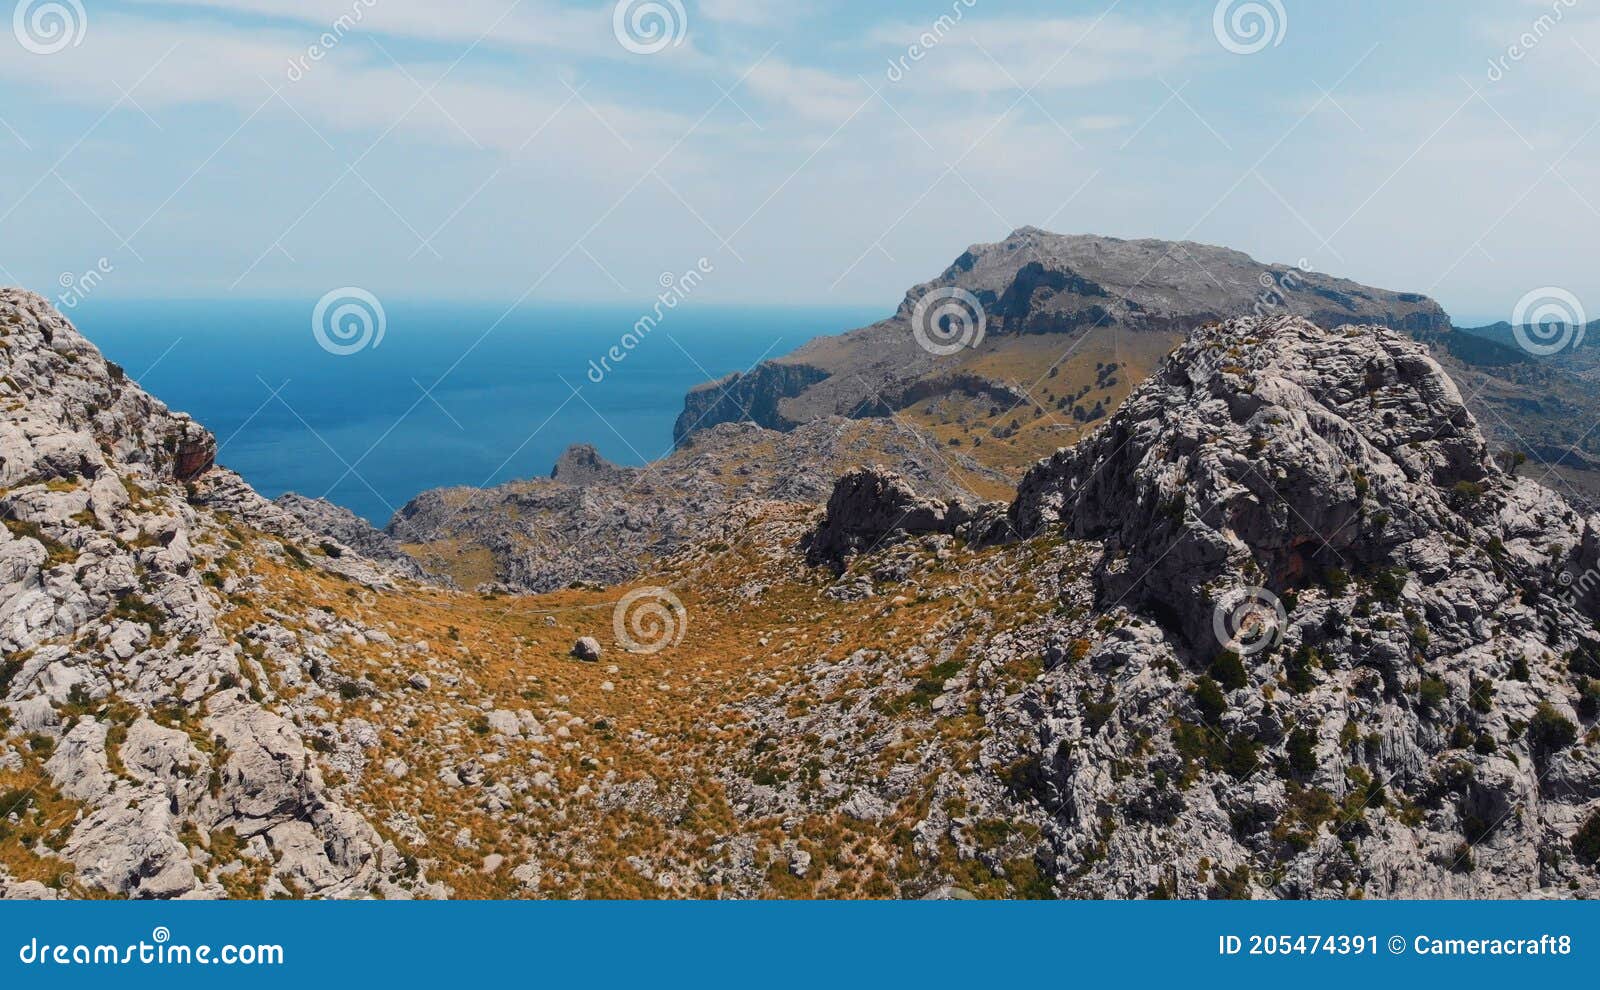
{"x": 449, "y": 394}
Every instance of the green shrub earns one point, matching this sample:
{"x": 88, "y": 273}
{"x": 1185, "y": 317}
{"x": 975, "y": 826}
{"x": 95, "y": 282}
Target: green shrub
{"x": 1550, "y": 730}
{"x": 1389, "y": 584}
{"x": 1298, "y": 667}
{"x": 1302, "y": 751}
{"x": 15, "y": 802}
{"x": 1228, "y": 670}
{"x": 1231, "y": 885}
{"x": 1589, "y": 699}
{"x": 1585, "y": 843}
{"x": 1481, "y": 696}
{"x": 10, "y": 667}
{"x": 133, "y": 608}
{"x": 1432, "y": 692}
{"x": 1209, "y": 699}
{"x": 1467, "y": 492}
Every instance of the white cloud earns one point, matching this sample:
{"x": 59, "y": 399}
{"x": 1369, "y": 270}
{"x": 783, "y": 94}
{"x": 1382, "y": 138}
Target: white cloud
{"x": 751, "y": 13}
{"x": 1001, "y": 54}
{"x": 811, "y": 93}
{"x": 495, "y": 23}
{"x": 350, "y": 88}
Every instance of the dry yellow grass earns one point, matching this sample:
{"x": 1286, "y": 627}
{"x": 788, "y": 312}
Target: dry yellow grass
{"x": 669, "y": 725}
{"x": 1009, "y": 439}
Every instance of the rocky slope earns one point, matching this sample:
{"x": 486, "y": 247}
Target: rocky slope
{"x": 1536, "y": 405}
{"x": 139, "y": 732}
{"x": 1314, "y": 643}
{"x": 322, "y": 518}
{"x": 524, "y": 535}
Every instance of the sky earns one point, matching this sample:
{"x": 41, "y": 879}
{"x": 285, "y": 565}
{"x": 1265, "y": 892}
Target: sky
{"x": 812, "y": 151}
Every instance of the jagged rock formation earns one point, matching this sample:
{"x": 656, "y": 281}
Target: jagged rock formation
{"x": 1263, "y": 442}
{"x": 114, "y": 672}
{"x": 873, "y": 507}
{"x": 1035, "y": 282}
{"x": 1410, "y": 724}
{"x": 525, "y": 535}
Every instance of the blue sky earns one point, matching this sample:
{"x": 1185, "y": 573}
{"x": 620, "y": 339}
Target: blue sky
{"x": 502, "y": 150}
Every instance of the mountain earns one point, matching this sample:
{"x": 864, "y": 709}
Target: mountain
{"x": 1280, "y": 625}
{"x": 1537, "y": 395}
{"x": 1069, "y": 324}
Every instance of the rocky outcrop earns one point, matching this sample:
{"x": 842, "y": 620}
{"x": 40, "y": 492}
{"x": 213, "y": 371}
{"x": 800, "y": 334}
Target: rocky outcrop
{"x": 1320, "y": 502}
{"x": 117, "y": 560}
{"x": 1277, "y": 448}
{"x": 755, "y": 397}
{"x": 873, "y": 507}
{"x": 581, "y": 465}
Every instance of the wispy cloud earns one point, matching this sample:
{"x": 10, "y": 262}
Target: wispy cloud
{"x": 983, "y": 55}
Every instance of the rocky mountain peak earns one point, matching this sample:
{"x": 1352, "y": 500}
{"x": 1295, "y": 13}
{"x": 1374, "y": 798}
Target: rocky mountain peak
{"x": 1036, "y": 281}
{"x": 581, "y": 464}
{"x": 871, "y": 507}
{"x": 1276, "y": 452}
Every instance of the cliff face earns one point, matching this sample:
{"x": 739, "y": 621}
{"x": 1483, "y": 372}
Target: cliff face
{"x": 1039, "y": 285}
{"x": 755, "y": 397}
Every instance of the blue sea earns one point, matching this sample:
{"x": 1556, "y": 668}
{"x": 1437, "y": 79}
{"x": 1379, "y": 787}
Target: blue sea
{"x": 442, "y": 399}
